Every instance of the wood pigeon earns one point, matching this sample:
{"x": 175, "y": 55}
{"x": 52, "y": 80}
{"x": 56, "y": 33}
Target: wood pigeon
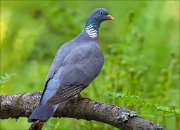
{"x": 76, "y": 65}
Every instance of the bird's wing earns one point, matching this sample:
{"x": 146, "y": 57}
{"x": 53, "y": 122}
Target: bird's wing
{"x": 72, "y": 82}
{"x": 62, "y": 52}
{"x": 56, "y": 65}
{"x": 63, "y": 95}
{"x": 72, "y": 76}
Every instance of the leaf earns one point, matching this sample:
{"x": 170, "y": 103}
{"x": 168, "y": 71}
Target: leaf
{"x": 5, "y": 78}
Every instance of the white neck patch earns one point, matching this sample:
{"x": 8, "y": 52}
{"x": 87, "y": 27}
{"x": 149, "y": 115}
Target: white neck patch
{"x": 91, "y": 32}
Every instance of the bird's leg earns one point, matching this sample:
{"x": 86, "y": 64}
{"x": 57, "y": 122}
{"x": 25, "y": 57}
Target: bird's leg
{"x": 79, "y": 97}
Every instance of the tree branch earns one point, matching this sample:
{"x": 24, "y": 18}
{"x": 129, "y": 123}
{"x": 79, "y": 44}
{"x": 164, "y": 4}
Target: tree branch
{"x": 21, "y": 105}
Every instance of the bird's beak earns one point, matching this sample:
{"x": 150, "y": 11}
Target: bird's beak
{"x": 109, "y": 17}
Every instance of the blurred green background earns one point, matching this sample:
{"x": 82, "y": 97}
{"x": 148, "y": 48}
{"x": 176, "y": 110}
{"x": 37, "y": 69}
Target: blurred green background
{"x": 141, "y": 48}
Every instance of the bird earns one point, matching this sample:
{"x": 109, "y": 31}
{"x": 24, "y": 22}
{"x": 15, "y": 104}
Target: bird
{"x": 76, "y": 64}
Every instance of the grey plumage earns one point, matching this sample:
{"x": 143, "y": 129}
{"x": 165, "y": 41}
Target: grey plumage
{"x": 76, "y": 65}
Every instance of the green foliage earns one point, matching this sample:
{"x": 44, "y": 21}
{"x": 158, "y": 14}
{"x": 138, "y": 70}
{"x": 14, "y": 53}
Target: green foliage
{"x": 5, "y": 78}
{"x": 141, "y": 49}
{"x": 133, "y": 100}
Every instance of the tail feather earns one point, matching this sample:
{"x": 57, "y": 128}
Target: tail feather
{"x": 42, "y": 113}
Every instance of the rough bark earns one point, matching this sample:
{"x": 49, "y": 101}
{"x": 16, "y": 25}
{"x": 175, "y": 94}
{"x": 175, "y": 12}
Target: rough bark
{"x": 21, "y": 105}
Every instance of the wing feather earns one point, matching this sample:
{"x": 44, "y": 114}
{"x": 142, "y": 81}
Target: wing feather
{"x": 63, "y": 95}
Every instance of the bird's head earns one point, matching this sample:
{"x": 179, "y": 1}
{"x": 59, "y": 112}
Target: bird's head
{"x": 93, "y": 23}
{"x": 100, "y": 15}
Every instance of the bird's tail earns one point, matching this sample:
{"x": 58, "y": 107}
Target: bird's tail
{"x": 40, "y": 115}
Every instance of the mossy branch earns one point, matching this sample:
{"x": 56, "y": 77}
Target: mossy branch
{"x": 21, "y": 105}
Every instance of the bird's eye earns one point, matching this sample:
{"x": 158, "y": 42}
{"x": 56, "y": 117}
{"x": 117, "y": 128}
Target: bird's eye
{"x": 101, "y": 12}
